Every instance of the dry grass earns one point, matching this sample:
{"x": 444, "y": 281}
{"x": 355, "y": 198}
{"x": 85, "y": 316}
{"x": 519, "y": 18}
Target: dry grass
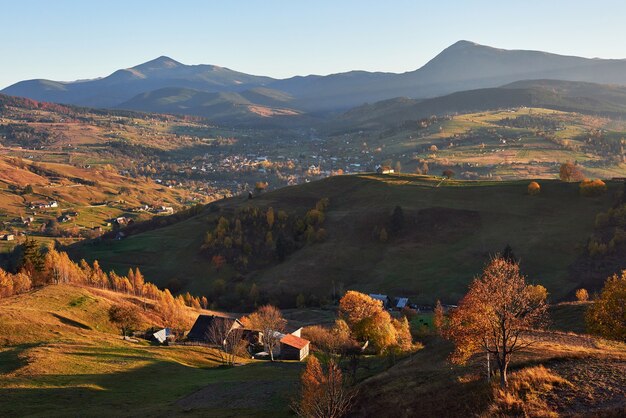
{"x": 525, "y": 395}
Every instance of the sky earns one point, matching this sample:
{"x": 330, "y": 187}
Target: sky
{"x": 77, "y": 39}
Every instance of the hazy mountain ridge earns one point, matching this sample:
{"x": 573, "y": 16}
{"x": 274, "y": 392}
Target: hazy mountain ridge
{"x": 462, "y": 66}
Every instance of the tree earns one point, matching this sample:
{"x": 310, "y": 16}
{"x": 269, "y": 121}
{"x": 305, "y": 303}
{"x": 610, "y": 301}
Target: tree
{"x": 398, "y": 167}
{"x": 269, "y": 320}
{"x": 229, "y": 340}
{"x": 323, "y": 395}
{"x": 607, "y": 315}
{"x": 508, "y": 254}
{"x": 592, "y": 188}
{"x": 270, "y": 217}
{"x": 397, "y": 220}
{"x": 495, "y": 315}
{"x": 125, "y": 317}
{"x": 533, "y": 188}
{"x": 367, "y": 319}
{"x": 448, "y": 173}
{"x": 28, "y": 189}
{"x": 570, "y": 172}
{"x": 439, "y": 317}
{"x": 582, "y": 295}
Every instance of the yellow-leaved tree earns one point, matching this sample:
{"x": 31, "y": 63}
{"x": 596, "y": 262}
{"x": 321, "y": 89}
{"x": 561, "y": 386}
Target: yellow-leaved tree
{"x": 607, "y": 315}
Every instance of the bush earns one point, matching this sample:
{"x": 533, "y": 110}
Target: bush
{"x": 591, "y": 188}
{"x": 533, "y": 188}
{"x": 582, "y": 295}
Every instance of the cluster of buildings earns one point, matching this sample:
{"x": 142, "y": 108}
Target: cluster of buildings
{"x": 291, "y": 345}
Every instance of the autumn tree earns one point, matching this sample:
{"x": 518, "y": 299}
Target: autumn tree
{"x": 125, "y": 317}
{"x": 269, "y": 320}
{"x": 570, "y": 172}
{"x": 533, "y": 188}
{"x": 495, "y": 316}
{"x": 323, "y": 394}
{"x": 448, "y": 173}
{"x": 607, "y": 315}
{"x": 582, "y": 295}
{"x": 439, "y": 317}
{"x": 368, "y": 320}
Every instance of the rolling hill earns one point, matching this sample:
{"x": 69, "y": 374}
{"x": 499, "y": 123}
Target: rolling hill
{"x": 462, "y": 66}
{"x": 223, "y": 107}
{"x": 590, "y": 98}
{"x": 450, "y": 230}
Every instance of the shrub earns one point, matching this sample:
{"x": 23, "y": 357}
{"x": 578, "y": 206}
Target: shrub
{"x": 591, "y": 188}
{"x": 582, "y": 295}
{"x": 533, "y": 188}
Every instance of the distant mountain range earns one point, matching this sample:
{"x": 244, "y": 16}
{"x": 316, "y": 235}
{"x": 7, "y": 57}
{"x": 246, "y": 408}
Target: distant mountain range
{"x": 224, "y": 95}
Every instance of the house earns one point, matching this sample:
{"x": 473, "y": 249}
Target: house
{"x": 162, "y": 335}
{"x": 383, "y": 298}
{"x": 8, "y": 237}
{"x": 401, "y": 303}
{"x": 200, "y": 329}
{"x": 294, "y": 348}
{"x": 384, "y": 169}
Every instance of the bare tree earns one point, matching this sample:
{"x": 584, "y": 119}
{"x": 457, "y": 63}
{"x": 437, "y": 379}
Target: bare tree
{"x": 496, "y": 315}
{"x": 227, "y": 338}
{"x": 269, "y": 320}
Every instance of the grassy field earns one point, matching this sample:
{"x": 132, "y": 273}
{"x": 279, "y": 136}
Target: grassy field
{"x": 451, "y": 229}
{"x": 59, "y": 356}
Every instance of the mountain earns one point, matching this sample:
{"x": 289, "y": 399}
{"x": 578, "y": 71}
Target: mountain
{"x": 222, "y": 107}
{"x": 124, "y": 84}
{"x": 462, "y": 66}
{"x": 570, "y": 96}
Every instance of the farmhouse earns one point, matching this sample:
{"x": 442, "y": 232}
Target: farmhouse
{"x": 401, "y": 303}
{"x": 8, "y": 237}
{"x": 383, "y": 298}
{"x": 384, "y": 169}
{"x": 293, "y": 348}
{"x": 200, "y": 329}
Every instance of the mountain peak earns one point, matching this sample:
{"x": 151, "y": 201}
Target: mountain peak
{"x": 162, "y": 62}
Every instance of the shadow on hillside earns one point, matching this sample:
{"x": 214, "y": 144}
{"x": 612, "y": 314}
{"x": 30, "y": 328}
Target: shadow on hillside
{"x": 11, "y": 360}
{"x": 425, "y": 385}
{"x": 71, "y": 322}
{"x": 155, "y": 388}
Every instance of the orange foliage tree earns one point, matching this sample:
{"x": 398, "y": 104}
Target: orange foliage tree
{"x": 369, "y": 322}
{"x": 496, "y": 315}
{"x": 533, "y": 188}
{"x": 570, "y": 172}
{"x": 323, "y": 394}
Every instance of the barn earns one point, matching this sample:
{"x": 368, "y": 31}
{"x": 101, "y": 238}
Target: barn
{"x": 293, "y": 348}
{"x": 200, "y": 330}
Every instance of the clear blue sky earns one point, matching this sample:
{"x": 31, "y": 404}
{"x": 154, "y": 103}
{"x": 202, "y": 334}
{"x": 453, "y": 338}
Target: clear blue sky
{"x": 72, "y": 39}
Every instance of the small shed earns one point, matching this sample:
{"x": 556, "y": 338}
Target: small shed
{"x": 162, "y": 335}
{"x": 294, "y": 348}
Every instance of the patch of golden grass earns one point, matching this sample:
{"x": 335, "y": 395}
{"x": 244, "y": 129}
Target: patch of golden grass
{"x": 524, "y": 395}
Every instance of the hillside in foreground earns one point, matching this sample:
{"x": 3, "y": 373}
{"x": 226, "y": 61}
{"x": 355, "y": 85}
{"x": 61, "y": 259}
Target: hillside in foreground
{"x": 58, "y": 350}
{"x": 450, "y": 229}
